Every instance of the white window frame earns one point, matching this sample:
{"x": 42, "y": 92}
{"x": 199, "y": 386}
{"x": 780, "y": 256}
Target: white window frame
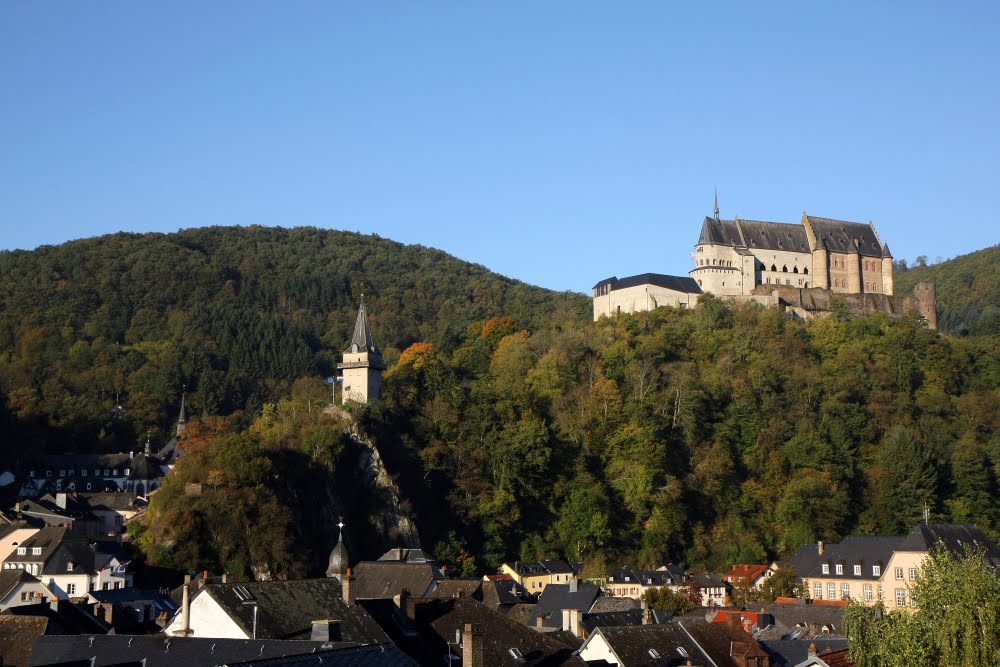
{"x": 826, "y": 568}
{"x": 876, "y": 570}
{"x": 857, "y": 570}
{"x": 899, "y": 574}
{"x": 869, "y": 593}
{"x": 70, "y": 589}
{"x": 831, "y": 591}
{"x": 900, "y": 597}
{"x": 840, "y": 568}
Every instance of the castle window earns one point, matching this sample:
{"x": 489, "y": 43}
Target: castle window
{"x": 784, "y": 269}
{"x": 805, "y": 270}
{"x": 774, "y": 268}
{"x": 795, "y": 269}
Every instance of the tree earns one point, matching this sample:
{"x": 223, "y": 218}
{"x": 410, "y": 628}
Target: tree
{"x": 957, "y": 622}
{"x": 780, "y": 584}
{"x": 680, "y": 602}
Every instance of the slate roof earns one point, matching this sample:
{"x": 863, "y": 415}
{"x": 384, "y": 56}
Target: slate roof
{"x": 661, "y": 577}
{"x": 449, "y": 588}
{"x": 85, "y": 555}
{"x": 557, "y": 597}
{"x": 607, "y": 603}
{"x": 403, "y": 555}
{"x": 788, "y": 653}
{"x": 286, "y": 609}
{"x": 48, "y": 538}
{"x": 677, "y": 283}
{"x": 523, "y": 613}
{"x": 161, "y": 651}
{"x": 631, "y": 617}
{"x": 499, "y": 593}
{"x": 801, "y": 621}
{"x": 17, "y": 636}
{"x": 755, "y": 234}
{"x": 840, "y": 236}
{"x": 386, "y": 579}
{"x": 356, "y": 656}
{"x": 955, "y": 537}
{"x": 115, "y": 501}
{"x": 66, "y": 619}
{"x": 855, "y": 549}
{"x": 9, "y": 580}
{"x": 437, "y": 620}
{"x": 632, "y": 645}
{"x": 362, "y": 339}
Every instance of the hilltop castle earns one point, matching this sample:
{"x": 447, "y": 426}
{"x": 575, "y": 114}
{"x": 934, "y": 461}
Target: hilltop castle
{"x": 800, "y": 266}
{"x": 362, "y": 366}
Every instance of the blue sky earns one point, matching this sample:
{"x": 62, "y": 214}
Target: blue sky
{"x": 554, "y": 142}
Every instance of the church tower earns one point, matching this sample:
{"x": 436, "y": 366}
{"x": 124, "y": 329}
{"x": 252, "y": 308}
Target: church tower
{"x": 362, "y": 366}
{"x": 338, "y": 557}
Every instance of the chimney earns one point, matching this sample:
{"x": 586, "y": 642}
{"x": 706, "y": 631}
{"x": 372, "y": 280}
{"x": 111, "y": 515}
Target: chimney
{"x": 540, "y": 620}
{"x": 575, "y": 621}
{"x": 647, "y": 616}
{"x": 472, "y": 646}
{"x": 347, "y": 587}
{"x": 186, "y": 608}
{"x": 819, "y": 546}
{"x": 61, "y": 500}
{"x": 326, "y": 630}
{"x": 225, "y": 577}
{"x": 573, "y": 584}
{"x": 406, "y": 605}
{"x": 566, "y": 619}
{"x": 812, "y": 649}
{"x": 106, "y": 612}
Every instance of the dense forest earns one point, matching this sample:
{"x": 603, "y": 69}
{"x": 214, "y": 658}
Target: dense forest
{"x": 968, "y": 290}
{"x": 517, "y": 427}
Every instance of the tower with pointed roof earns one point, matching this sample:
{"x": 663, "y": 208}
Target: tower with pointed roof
{"x": 362, "y": 365}
{"x": 181, "y": 418}
{"x": 337, "y": 566}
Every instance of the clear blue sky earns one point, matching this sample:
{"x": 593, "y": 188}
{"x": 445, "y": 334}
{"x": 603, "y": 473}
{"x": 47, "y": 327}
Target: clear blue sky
{"x": 554, "y": 142}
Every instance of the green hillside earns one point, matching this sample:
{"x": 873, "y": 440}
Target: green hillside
{"x": 968, "y": 291}
{"x": 236, "y": 314}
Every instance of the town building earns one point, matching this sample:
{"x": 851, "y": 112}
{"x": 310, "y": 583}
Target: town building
{"x": 362, "y": 365}
{"x": 852, "y": 569}
{"x": 534, "y": 576}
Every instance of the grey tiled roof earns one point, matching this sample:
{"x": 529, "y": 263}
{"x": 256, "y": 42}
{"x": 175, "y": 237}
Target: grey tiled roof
{"x": 759, "y": 234}
{"x": 840, "y": 236}
{"x": 386, "y": 579}
{"x": 18, "y": 635}
{"x": 853, "y": 550}
{"x": 286, "y": 609}
{"x": 956, "y": 537}
{"x": 161, "y": 651}
{"x": 632, "y": 645}
{"x": 387, "y": 655}
{"x": 557, "y": 597}
{"x": 791, "y": 652}
{"x": 676, "y": 283}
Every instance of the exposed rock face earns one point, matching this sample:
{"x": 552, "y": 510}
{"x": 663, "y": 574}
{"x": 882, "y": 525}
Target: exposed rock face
{"x": 391, "y": 521}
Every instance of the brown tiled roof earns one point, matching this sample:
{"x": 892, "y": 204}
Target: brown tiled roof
{"x": 837, "y": 658}
{"x": 17, "y": 636}
{"x": 748, "y": 572}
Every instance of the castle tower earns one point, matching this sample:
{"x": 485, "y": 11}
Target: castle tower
{"x": 820, "y": 255}
{"x": 362, "y": 366}
{"x": 887, "y": 285}
{"x": 338, "y": 557}
{"x": 854, "y": 269}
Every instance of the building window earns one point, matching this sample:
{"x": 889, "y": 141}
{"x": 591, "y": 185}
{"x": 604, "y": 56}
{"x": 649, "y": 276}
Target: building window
{"x": 69, "y": 567}
{"x": 826, "y": 568}
{"x": 62, "y": 473}
{"x": 805, "y": 270}
{"x": 857, "y": 570}
{"x": 913, "y": 573}
{"x": 70, "y": 589}
{"x": 845, "y": 592}
{"x": 48, "y": 473}
{"x": 126, "y": 472}
{"x": 22, "y": 550}
{"x": 105, "y": 586}
{"x": 899, "y": 573}
{"x": 118, "y": 584}
{"x": 36, "y": 551}
{"x": 840, "y": 568}
{"x": 818, "y": 591}
{"x": 831, "y": 591}
{"x": 900, "y": 597}
{"x": 83, "y": 473}
{"x": 869, "y": 595}
{"x": 876, "y": 570}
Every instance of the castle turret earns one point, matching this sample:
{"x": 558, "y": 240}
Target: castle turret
{"x": 362, "y": 366}
{"x": 887, "y": 285}
{"x": 854, "y": 268}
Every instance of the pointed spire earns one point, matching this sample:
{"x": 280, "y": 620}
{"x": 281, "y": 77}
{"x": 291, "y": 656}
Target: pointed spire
{"x": 362, "y": 339}
{"x": 148, "y": 449}
{"x": 182, "y": 418}
{"x": 716, "y": 203}
{"x": 337, "y": 566}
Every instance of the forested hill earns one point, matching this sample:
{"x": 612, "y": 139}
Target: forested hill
{"x": 968, "y": 290}
{"x": 235, "y": 313}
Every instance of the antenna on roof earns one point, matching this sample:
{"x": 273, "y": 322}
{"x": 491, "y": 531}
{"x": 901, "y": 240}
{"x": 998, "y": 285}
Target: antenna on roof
{"x": 716, "y": 203}
{"x": 927, "y": 514}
